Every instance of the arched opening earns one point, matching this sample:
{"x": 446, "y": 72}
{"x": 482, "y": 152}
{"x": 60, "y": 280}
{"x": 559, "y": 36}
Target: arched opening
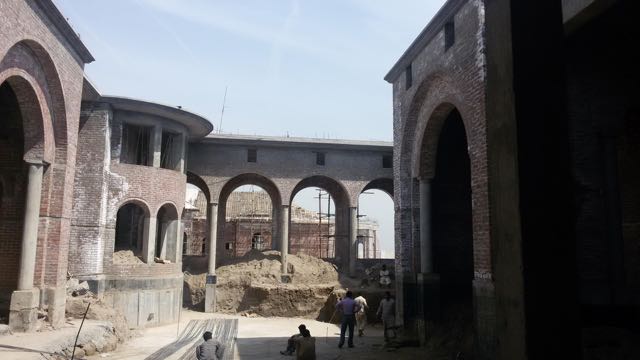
{"x": 326, "y": 232}
{"x": 130, "y": 223}
{"x": 12, "y": 214}
{"x": 248, "y": 221}
{"x": 195, "y": 215}
{"x": 361, "y": 250}
{"x": 167, "y": 233}
{"x": 248, "y": 204}
{"x": 451, "y": 226}
{"x": 376, "y": 220}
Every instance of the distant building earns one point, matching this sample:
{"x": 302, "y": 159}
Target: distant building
{"x": 248, "y": 225}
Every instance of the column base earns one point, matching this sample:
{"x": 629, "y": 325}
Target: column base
{"x": 428, "y": 285}
{"x": 210, "y": 294}
{"x": 23, "y": 311}
{"x": 484, "y": 309}
{"x": 56, "y": 299}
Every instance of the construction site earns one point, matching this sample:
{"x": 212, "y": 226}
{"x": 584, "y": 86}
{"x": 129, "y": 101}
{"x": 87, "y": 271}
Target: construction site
{"x": 132, "y": 229}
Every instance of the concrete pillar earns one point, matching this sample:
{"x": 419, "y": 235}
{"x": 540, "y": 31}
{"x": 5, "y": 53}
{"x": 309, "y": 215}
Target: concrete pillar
{"x": 426, "y": 252}
{"x": 210, "y": 286}
{"x": 213, "y": 233}
{"x": 353, "y": 240}
{"x": 149, "y": 243}
{"x": 182, "y": 152}
{"x": 156, "y": 145}
{"x": 284, "y": 242}
{"x": 23, "y": 310}
{"x": 30, "y": 227}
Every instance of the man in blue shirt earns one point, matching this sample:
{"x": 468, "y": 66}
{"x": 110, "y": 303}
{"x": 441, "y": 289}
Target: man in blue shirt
{"x": 349, "y": 308}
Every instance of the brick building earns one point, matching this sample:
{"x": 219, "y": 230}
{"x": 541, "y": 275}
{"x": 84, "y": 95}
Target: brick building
{"x": 515, "y": 170}
{"x": 249, "y": 225}
{"x": 41, "y": 87}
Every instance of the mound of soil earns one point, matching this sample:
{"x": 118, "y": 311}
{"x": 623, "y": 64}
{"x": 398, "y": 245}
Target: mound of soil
{"x": 252, "y": 285}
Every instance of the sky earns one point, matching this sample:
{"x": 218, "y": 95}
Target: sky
{"x": 308, "y": 68}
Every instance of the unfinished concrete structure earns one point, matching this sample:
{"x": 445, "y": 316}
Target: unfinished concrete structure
{"x": 515, "y": 176}
{"x": 218, "y": 164}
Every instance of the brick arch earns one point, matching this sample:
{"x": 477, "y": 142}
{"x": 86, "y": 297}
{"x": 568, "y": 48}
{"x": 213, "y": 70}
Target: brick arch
{"x": 169, "y": 205}
{"x": 136, "y": 201}
{"x": 336, "y": 189}
{"x": 39, "y": 141}
{"x": 249, "y": 179}
{"x": 198, "y": 181}
{"x": 382, "y": 184}
{"x": 433, "y": 101}
{"x": 33, "y": 58}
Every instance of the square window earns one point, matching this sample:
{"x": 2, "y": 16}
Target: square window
{"x": 449, "y": 35}
{"x": 136, "y": 141}
{"x": 320, "y": 158}
{"x": 228, "y": 245}
{"x": 252, "y": 155}
{"x": 387, "y": 161}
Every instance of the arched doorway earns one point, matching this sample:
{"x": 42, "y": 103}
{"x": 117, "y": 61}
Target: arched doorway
{"x": 312, "y": 227}
{"x": 449, "y": 214}
{"x": 167, "y": 233}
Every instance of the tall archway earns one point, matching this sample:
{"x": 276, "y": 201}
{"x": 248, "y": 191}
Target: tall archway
{"x": 445, "y": 159}
{"x": 22, "y": 142}
{"x": 312, "y": 227}
{"x": 256, "y": 209}
{"x": 167, "y": 233}
{"x": 341, "y": 202}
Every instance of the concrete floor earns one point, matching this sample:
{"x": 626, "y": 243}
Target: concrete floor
{"x": 263, "y": 338}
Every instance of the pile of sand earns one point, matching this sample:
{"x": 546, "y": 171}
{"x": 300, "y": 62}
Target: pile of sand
{"x": 126, "y": 257}
{"x": 252, "y": 285}
{"x": 76, "y": 307}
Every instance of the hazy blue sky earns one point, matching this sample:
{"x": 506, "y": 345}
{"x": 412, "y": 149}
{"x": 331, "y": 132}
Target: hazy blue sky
{"x": 311, "y": 68}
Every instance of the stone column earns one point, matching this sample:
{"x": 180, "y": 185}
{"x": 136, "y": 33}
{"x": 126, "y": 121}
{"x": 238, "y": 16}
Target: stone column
{"x": 23, "y": 311}
{"x": 182, "y": 152}
{"x": 353, "y": 240}
{"x": 149, "y": 242}
{"x": 428, "y": 283}
{"x": 210, "y": 287}
{"x": 284, "y": 242}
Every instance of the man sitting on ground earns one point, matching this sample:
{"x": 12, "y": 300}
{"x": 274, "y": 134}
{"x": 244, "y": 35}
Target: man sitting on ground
{"x": 306, "y": 346}
{"x": 210, "y": 349}
{"x": 291, "y": 343}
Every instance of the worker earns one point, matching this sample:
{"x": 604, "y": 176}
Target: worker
{"x": 210, "y": 348}
{"x": 291, "y": 342}
{"x": 306, "y": 346}
{"x": 349, "y": 308}
{"x": 361, "y": 315}
{"x": 387, "y": 313}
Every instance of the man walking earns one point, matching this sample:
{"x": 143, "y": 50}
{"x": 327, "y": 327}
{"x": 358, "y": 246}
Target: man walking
{"x": 210, "y": 349}
{"x": 349, "y": 308}
{"x": 361, "y": 315}
{"x": 387, "y": 312}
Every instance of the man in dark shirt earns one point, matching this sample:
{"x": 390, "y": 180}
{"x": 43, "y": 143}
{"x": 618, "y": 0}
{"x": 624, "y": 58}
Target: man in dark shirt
{"x": 210, "y": 349}
{"x": 349, "y": 308}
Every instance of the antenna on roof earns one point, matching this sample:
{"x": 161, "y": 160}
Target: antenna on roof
{"x": 224, "y": 101}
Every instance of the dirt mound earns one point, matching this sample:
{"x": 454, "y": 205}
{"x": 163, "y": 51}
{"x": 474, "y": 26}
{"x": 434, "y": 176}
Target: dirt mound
{"x": 124, "y": 257}
{"x": 252, "y": 285}
{"x": 76, "y": 307}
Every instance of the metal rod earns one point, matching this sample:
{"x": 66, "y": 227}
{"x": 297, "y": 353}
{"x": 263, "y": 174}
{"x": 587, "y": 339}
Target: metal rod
{"x": 73, "y": 353}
